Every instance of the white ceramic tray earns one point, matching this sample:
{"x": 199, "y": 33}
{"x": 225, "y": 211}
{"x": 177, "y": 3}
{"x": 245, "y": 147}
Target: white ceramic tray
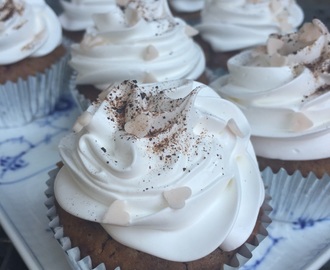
{"x": 28, "y": 153}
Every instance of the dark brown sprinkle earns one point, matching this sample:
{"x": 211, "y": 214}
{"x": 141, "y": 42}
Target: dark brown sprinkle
{"x": 103, "y": 149}
{"x": 322, "y": 89}
{"x": 121, "y": 109}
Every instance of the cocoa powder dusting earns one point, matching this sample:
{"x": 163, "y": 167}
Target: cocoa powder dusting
{"x": 8, "y": 9}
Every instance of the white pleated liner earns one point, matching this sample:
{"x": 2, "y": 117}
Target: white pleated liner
{"x": 25, "y": 100}
{"x": 77, "y": 263}
{"x": 297, "y": 198}
{"x": 82, "y": 102}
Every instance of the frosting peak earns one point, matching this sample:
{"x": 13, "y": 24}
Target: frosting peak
{"x": 27, "y": 29}
{"x": 163, "y": 161}
{"x": 283, "y": 89}
{"x": 149, "y": 10}
{"x": 77, "y": 14}
{"x": 233, "y": 25}
{"x": 140, "y": 41}
{"x": 302, "y": 47}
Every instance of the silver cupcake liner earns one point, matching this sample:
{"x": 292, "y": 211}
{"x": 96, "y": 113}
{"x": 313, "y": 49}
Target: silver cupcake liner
{"x": 81, "y": 101}
{"x": 296, "y": 198}
{"x": 73, "y": 253}
{"x": 25, "y": 100}
{"x": 244, "y": 253}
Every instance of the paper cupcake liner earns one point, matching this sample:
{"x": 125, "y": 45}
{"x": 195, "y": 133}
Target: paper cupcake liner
{"x": 81, "y": 101}
{"x": 296, "y": 198}
{"x": 25, "y": 100}
{"x": 244, "y": 253}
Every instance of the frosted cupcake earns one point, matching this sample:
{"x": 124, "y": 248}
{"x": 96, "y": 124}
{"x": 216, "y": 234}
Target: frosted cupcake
{"x": 77, "y": 15}
{"x": 283, "y": 89}
{"x": 32, "y": 61}
{"x": 188, "y": 10}
{"x": 140, "y": 41}
{"x": 170, "y": 163}
{"x": 229, "y": 26}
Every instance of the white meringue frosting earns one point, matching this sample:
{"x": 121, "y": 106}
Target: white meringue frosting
{"x": 140, "y": 41}
{"x": 77, "y": 14}
{"x": 166, "y": 168}
{"x": 230, "y": 25}
{"x": 283, "y": 90}
{"x": 187, "y": 5}
{"x": 27, "y": 29}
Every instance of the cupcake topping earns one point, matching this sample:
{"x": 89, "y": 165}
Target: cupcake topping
{"x": 236, "y": 25}
{"x": 27, "y": 29}
{"x": 283, "y": 88}
{"x": 77, "y": 14}
{"x": 140, "y": 40}
{"x": 165, "y": 160}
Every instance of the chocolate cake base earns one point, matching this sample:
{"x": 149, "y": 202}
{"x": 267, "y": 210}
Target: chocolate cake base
{"x": 95, "y": 242}
{"x": 319, "y": 167}
{"x": 30, "y": 66}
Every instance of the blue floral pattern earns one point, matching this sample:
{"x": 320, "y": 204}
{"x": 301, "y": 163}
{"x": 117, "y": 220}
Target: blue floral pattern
{"x": 18, "y": 146}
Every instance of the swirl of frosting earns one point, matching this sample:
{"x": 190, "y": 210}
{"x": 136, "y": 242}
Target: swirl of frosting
{"x": 77, "y": 14}
{"x": 237, "y": 24}
{"x": 187, "y": 5}
{"x": 27, "y": 29}
{"x": 142, "y": 41}
{"x": 283, "y": 90}
{"x": 162, "y": 162}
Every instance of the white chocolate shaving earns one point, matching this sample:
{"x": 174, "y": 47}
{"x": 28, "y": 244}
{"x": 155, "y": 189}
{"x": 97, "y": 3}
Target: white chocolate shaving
{"x": 149, "y": 78}
{"x": 150, "y": 53}
{"x": 273, "y": 45}
{"x": 117, "y": 214}
{"x": 191, "y": 31}
{"x": 300, "y": 122}
{"x": 176, "y": 198}
{"x": 82, "y": 121}
{"x": 139, "y": 127}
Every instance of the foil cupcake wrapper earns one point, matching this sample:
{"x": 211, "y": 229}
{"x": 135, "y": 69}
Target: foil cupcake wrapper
{"x": 296, "y": 198}
{"x": 25, "y": 100}
{"x": 244, "y": 253}
{"x": 81, "y": 101}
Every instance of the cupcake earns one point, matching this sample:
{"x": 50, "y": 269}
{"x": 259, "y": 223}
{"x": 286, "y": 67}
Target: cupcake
{"x": 160, "y": 176}
{"x": 32, "y": 61}
{"x": 229, "y": 26}
{"x": 188, "y": 10}
{"x": 283, "y": 90}
{"x": 76, "y": 16}
{"x": 140, "y": 41}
